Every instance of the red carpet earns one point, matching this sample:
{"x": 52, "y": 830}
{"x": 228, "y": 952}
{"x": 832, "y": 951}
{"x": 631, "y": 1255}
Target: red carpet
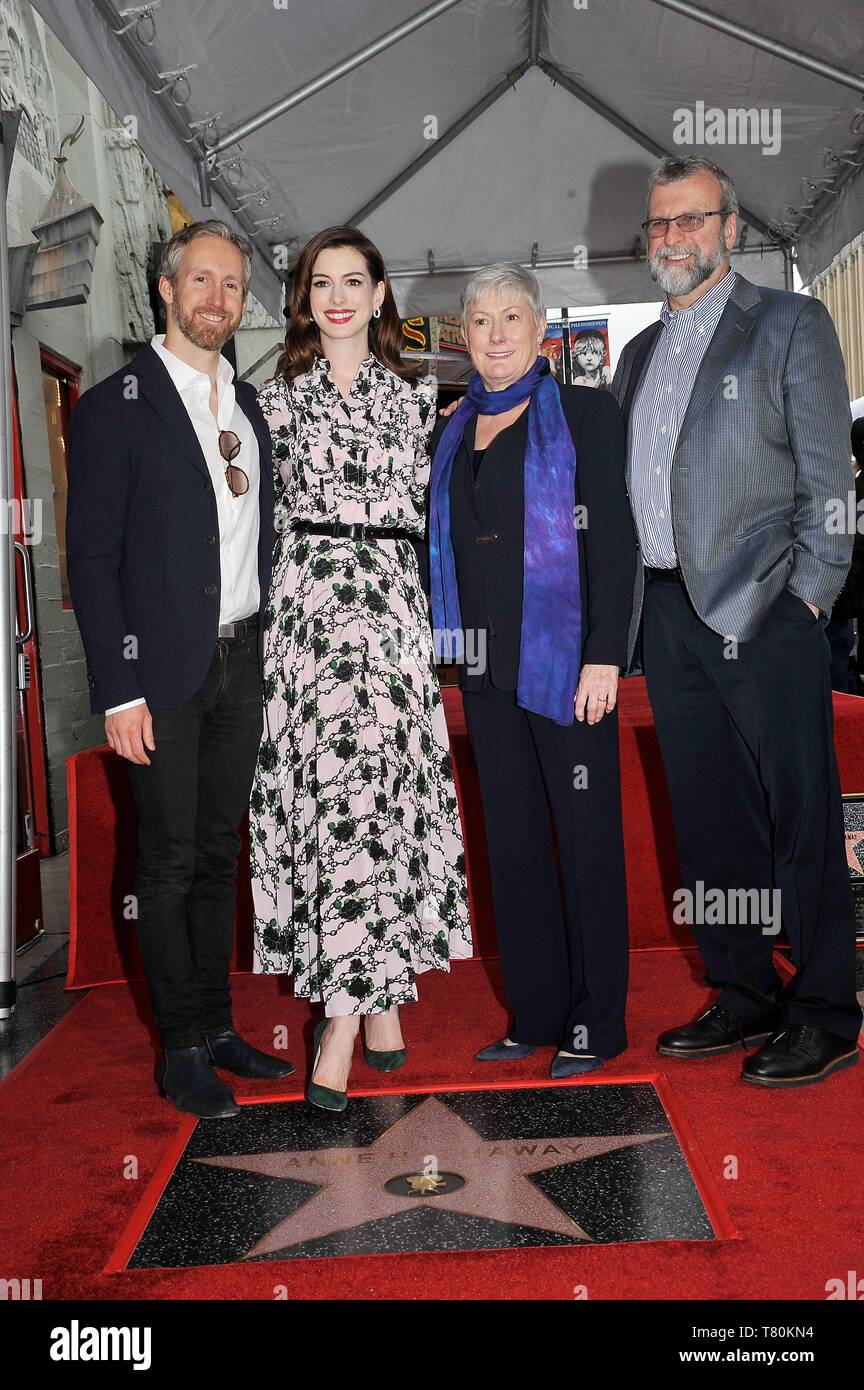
{"x": 102, "y": 830}
{"x": 82, "y": 1107}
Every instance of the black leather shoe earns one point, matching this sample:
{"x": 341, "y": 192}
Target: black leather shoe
{"x": 799, "y": 1056}
{"x": 717, "y": 1031}
{"x": 231, "y": 1052}
{"x": 187, "y": 1078}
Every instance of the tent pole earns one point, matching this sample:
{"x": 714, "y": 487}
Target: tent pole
{"x": 555, "y": 74}
{"x": 8, "y": 648}
{"x": 622, "y": 258}
{"x": 788, "y": 277}
{"x": 436, "y": 146}
{"x": 317, "y": 84}
{"x": 772, "y": 46}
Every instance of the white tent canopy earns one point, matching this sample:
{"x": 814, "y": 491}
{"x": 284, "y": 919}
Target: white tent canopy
{"x": 560, "y": 108}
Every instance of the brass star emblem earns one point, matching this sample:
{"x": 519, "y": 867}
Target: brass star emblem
{"x": 425, "y": 1182}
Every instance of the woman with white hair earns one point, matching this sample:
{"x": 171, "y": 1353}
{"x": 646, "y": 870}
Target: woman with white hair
{"x": 532, "y": 560}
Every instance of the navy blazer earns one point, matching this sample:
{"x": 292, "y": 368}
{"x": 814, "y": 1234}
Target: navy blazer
{"x": 487, "y": 524}
{"x": 142, "y": 536}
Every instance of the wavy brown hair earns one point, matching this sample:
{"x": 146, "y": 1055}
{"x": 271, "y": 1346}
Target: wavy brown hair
{"x": 303, "y": 341}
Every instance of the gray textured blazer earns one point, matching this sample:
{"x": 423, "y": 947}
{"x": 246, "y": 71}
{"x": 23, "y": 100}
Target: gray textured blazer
{"x": 763, "y": 449}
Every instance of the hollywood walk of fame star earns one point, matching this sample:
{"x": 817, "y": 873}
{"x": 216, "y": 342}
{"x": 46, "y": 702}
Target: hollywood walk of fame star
{"x": 497, "y": 1176}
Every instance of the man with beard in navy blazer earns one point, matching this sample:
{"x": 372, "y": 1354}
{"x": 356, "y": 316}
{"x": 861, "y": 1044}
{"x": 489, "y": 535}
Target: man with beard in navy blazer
{"x": 170, "y": 538}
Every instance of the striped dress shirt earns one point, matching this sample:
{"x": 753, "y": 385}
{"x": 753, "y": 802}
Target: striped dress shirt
{"x": 658, "y": 410}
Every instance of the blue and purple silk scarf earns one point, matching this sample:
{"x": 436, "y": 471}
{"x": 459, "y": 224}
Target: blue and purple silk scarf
{"x": 549, "y": 657}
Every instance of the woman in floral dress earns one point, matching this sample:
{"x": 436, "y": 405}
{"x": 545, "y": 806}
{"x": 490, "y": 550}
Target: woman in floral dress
{"x": 358, "y": 870}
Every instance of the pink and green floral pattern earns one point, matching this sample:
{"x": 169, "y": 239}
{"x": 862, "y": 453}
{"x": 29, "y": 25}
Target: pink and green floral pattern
{"x": 358, "y": 869}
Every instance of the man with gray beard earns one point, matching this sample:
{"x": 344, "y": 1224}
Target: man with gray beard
{"x": 738, "y": 428}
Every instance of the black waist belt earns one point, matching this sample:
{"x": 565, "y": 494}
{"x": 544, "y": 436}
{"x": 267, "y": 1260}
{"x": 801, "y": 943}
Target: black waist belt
{"x": 353, "y": 531}
{"x": 241, "y": 628}
{"x": 670, "y": 576}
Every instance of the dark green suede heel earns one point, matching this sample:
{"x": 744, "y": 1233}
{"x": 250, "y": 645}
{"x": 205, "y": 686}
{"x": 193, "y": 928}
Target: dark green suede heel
{"x": 323, "y": 1096}
{"x": 385, "y": 1061}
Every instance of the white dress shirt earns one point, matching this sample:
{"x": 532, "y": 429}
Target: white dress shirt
{"x": 239, "y": 517}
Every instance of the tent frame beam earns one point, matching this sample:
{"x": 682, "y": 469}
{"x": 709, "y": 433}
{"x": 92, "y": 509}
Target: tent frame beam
{"x": 556, "y": 74}
{"x": 436, "y": 146}
{"x": 536, "y": 20}
{"x": 309, "y": 89}
{"x": 601, "y": 258}
{"x": 768, "y": 45}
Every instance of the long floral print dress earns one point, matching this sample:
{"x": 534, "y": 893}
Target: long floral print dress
{"x": 358, "y": 868}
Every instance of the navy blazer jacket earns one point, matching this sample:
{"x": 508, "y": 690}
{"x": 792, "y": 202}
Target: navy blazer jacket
{"x": 142, "y": 536}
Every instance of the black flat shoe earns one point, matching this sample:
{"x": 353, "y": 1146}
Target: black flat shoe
{"x": 188, "y": 1080}
{"x": 504, "y": 1052}
{"x": 800, "y": 1055}
{"x": 323, "y": 1096}
{"x": 717, "y": 1031}
{"x": 231, "y": 1052}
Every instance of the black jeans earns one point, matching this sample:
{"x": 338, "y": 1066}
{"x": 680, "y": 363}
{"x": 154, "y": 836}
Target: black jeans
{"x": 746, "y": 735}
{"x": 561, "y": 926}
{"x": 191, "y": 801}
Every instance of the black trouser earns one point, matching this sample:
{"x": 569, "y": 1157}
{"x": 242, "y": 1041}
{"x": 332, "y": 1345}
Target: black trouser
{"x": 562, "y": 938}
{"x": 191, "y": 801}
{"x": 746, "y": 735}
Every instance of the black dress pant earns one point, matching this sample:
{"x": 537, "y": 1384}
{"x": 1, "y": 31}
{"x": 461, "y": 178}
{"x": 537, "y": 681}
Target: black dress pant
{"x": 746, "y": 734}
{"x": 191, "y": 801}
{"x": 562, "y": 937}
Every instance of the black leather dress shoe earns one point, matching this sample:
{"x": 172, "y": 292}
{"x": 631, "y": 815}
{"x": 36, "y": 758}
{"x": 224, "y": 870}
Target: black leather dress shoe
{"x": 187, "y": 1078}
{"x": 799, "y": 1056}
{"x": 717, "y": 1031}
{"x": 231, "y": 1052}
